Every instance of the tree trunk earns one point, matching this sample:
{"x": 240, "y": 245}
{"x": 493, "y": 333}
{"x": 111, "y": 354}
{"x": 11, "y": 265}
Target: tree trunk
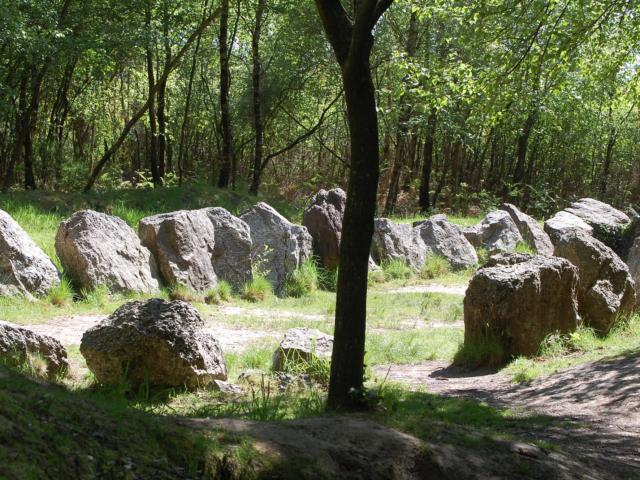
{"x": 425, "y": 179}
{"x": 162, "y": 98}
{"x": 258, "y": 127}
{"x": 352, "y": 43}
{"x": 402, "y": 139}
{"x": 523, "y": 145}
{"x": 606, "y": 166}
{"x": 153, "y": 129}
{"x": 225, "y": 84}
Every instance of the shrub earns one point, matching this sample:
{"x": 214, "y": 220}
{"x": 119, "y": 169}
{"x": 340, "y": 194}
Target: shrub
{"x": 212, "y": 297}
{"x": 180, "y": 292}
{"x": 483, "y": 255}
{"x": 395, "y": 269}
{"x": 61, "y": 295}
{"x": 435, "y": 266}
{"x": 257, "y": 290}
{"x": 302, "y": 281}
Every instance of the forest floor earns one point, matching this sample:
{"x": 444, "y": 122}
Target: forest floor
{"x": 571, "y": 412}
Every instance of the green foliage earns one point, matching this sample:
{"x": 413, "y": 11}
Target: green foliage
{"x": 483, "y": 255}
{"x": 375, "y": 276}
{"x": 328, "y": 279}
{"x": 396, "y": 269}
{"x": 98, "y": 297}
{"x": 303, "y": 281}
{"x": 523, "y": 247}
{"x": 257, "y": 290}
{"x": 222, "y": 293}
{"x": 434, "y": 266}
{"x": 316, "y": 368}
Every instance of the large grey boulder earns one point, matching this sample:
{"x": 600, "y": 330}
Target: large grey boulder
{"x": 157, "y": 342}
{"x": 601, "y": 216}
{"x": 232, "y": 249}
{"x": 606, "y": 288}
{"x": 24, "y": 268}
{"x": 447, "y": 240}
{"x": 532, "y": 233}
{"x": 279, "y": 246}
{"x": 302, "y": 345}
{"x": 323, "y": 218}
{"x": 18, "y": 343}
{"x": 182, "y": 243}
{"x": 517, "y": 300}
{"x": 497, "y": 232}
{"x": 563, "y": 222}
{"x": 392, "y": 241}
{"x": 97, "y": 249}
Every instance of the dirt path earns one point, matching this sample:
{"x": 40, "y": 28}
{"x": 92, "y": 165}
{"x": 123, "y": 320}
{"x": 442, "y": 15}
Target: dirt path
{"x": 432, "y": 288}
{"x": 600, "y": 399}
{"x": 69, "y": 330}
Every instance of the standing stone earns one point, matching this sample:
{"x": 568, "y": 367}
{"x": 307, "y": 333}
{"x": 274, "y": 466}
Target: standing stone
{"x": 161, "y": 343}
{"x": 24, "y": 268}
{"x": 517, "y": 300}
{"x": 562, "y": 222}
{"x": 447, "y": 240}
{"x": 279, "y": 246}
{"x": 601, "y": 216}
{"x": 323, "y": 219}
{"x": 232, "y": 249}
{"x": 633, "y": 261}
{"x": 497, "y": 232}
{"x": 392, "y": 241}
{"x": 97, "y": 249}
{"x": 17, "y": 343}
{"x": 182, "y": 243}
{"x": 532, "y": 233}
{"x": 302, "y": 345}
{"x": 606, "y": 288}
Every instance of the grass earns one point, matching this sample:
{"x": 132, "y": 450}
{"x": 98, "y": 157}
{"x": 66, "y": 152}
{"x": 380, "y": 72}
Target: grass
{"x": 435, "y": 266}
{"x": 396, "y": 269}
{"x": 257, "y": 290}
{"x": 303, "y": 281}
{"x": 583, "y": 345}
{"x": 61, "y": 295}
{"x": 412, "y": 346}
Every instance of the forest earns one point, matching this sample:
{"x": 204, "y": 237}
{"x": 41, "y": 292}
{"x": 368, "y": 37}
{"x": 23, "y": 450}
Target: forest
{"x": 532, "y": 101}
{"x": 350, "y": 239}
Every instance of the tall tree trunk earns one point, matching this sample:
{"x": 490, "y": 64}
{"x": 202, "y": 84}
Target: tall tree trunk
{"x": 402, "y": 137}
{"x": 523, "y": 146}
{"x": 153, "y": 129}
{"x": 352, "y": 43}
{"x": 18, "y": 136}
{"x": 258, "y": 127}
{"x": 225, "y": 84}
{"x": 608, "y": 158}
{"x": 163, "y": 158}
{"x": 425, "y": 178}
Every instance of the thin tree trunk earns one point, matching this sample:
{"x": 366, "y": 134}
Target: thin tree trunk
{"x": 425, "y": 180}
{"x": 153, "y": 129}
{"x": 523, "y": 145}
{"x": 162, "y": 97}
{"x": 225, "y": 84}
{"x": 258, "y": 127}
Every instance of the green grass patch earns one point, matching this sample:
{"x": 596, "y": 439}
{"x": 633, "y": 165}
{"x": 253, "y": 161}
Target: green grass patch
{"x": 303, "y": 281}
{"x": 435, "y": 266}
{"x": 412, "y": 346}
{"x": 396, "y": 269}
{"x": 257, "y": 290}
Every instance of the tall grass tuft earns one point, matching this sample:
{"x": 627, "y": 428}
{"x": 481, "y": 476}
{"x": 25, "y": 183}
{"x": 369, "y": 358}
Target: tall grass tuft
{"x": 61, "y": 295}
{"x": 303, "y": 281}
{"x": 257, "y": 290}
{"x": 396, "y": 269}
{"x": 434, "y": 266}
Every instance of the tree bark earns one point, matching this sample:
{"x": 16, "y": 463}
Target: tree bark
{"x": 523, "y": 146}
{"x": 225, "y": 84}
{"x": 352, "y": 42}
{"x": 425, "y": 178}
{"x": 256, "y": 77}
{"x": 153, "y": 129}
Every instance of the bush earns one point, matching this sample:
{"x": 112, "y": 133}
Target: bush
{"x": 302, "y": 281}
{"x": 396, "y": 269}
{"x": 61, "y": 295}
{"x": 180, "y": 292}
{"x": 435, "y": 266}
{"x": 257, "y": 290}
